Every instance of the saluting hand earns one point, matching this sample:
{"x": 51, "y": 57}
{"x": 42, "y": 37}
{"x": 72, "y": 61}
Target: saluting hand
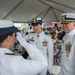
{"x": 21, "y": 40}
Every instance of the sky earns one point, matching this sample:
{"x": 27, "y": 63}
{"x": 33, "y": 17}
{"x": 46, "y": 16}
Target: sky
{"x": 17, "y": 24}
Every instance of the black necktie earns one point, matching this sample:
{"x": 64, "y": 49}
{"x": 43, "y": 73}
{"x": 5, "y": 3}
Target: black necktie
{"x": 37, "y": 35}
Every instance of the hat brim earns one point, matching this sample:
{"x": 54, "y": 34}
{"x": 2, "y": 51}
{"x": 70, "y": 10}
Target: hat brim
{"x": 64, "y": 22}
{"x": 67, "y": 21}
{"x": 35, "y": 23}
{"x": 8, "y": 30}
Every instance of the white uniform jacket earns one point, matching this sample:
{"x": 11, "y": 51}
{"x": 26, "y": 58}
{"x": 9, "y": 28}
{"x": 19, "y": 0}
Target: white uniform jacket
{"x": 17, "y": 65}
{"x": 44, "y": 43}
{"x": 68, "y": 54}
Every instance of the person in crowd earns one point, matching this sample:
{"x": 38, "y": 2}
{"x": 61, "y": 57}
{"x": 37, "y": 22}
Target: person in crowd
{"x": 57, "y": 53}
{"x": 43, "y": 42}
{"x": 60, "y": 35}
{"x": 68, "y": 44}
{"x": 54, "y": 37}
{"x": 17, "y": 65}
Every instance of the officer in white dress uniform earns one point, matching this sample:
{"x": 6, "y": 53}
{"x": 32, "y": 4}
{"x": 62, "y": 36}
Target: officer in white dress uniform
{"x": 68, "y": 44}
{"x": 43, "y": 42}
{"x": 17, "y": 65}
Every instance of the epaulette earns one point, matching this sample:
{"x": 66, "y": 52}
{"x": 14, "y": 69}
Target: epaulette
{"x": 12, "y": 54}
{"x": 9, "y": 54}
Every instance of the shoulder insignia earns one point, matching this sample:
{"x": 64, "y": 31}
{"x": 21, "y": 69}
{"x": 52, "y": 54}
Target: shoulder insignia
{"x": 9, "y": 54}
{"x": 12, "y": 54}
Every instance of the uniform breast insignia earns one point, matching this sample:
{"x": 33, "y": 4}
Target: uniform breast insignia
{"x": 32, "y": 39}
{"x": 68, "y": 49}
{"x": 45, "y": 42}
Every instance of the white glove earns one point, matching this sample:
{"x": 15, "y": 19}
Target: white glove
{"x": 21, "y": 40}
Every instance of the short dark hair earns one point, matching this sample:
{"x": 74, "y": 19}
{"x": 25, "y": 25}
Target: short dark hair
{"x": 60, "y": 35}
{"x": 3, "y": 37}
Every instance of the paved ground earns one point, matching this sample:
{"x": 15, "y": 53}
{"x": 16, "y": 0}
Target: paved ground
{"x": 56, "y": 70}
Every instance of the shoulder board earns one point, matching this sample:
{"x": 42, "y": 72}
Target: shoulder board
{"x": 12, "y": 54}
{"x": 9, "y": 54}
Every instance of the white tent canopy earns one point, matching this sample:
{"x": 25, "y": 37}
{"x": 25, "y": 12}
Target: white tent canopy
{"x": 25, "y": 10}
